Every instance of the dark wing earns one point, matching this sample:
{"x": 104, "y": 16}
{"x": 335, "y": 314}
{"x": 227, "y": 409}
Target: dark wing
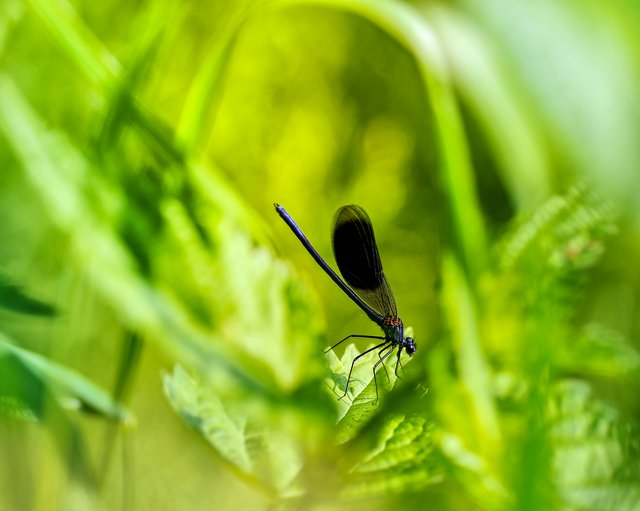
{"x": 356, "y": 253}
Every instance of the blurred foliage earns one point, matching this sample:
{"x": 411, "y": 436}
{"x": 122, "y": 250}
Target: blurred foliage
{"x": 143, "y": 144}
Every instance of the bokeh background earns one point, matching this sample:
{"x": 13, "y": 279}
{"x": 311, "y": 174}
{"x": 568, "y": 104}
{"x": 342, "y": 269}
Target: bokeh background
{"x": 162, "y": 330}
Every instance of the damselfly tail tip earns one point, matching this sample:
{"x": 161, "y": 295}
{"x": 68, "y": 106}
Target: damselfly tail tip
{"x": 276, "y": 205}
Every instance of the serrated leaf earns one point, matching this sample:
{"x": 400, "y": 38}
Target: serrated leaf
{"x": 401, "y": 460}
{"x": 261, "y": 453}
{"x": 593, "y": 450}
{"x": 215, "y": 299}
{"x": 599, "y": 351}
{"x": 565, "y": 233}
{"x": 361, "y": 402}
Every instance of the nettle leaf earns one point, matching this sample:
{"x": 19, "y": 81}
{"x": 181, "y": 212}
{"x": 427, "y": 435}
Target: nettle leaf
{"x": 595, "y": 456}
{"x": 599, "y": 351}
{"x": 379, "y": 455}
{"x": 401, "y": 459}
{"x": 565, "y": 233}
{"x": 470, "y": 457}
{"x": 266, "y": 455}
{"x": 359, "y": 405}
{"x": 189, "y": 276}
{"x": 394, "y": 457}
{"x": 525, "y": 314}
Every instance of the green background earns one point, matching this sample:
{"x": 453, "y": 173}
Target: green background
{"x": 162, "y": 330}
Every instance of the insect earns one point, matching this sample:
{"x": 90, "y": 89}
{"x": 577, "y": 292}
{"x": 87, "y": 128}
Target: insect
{"x": 356, "y": 253}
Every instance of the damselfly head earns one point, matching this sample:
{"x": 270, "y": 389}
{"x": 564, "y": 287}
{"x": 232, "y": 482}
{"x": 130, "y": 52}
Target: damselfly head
{"x": 409, "y": 345}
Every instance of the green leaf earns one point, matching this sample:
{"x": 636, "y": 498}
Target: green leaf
{"x": 595, "y": 459}
{"x": 214, "y": 300}
{"x": 14, "y": 299}
{"x": 35, "y": 389}
{"x": 60, "y": 381}
{"x": 26, "y": 396}
{"x": 488, "y": 90}
{"x": 461, "y": 444}
{"x": 599, "y": 351}
{"x": 263, "y": 454}
{"x": 576, "y": 68}
{"x": 402, "y": 459}
{"x": 15, "y": 407}
{"x": 380, "y": 453}
{"x": 360, "y": 403}
{"x": 566, "y": 233}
